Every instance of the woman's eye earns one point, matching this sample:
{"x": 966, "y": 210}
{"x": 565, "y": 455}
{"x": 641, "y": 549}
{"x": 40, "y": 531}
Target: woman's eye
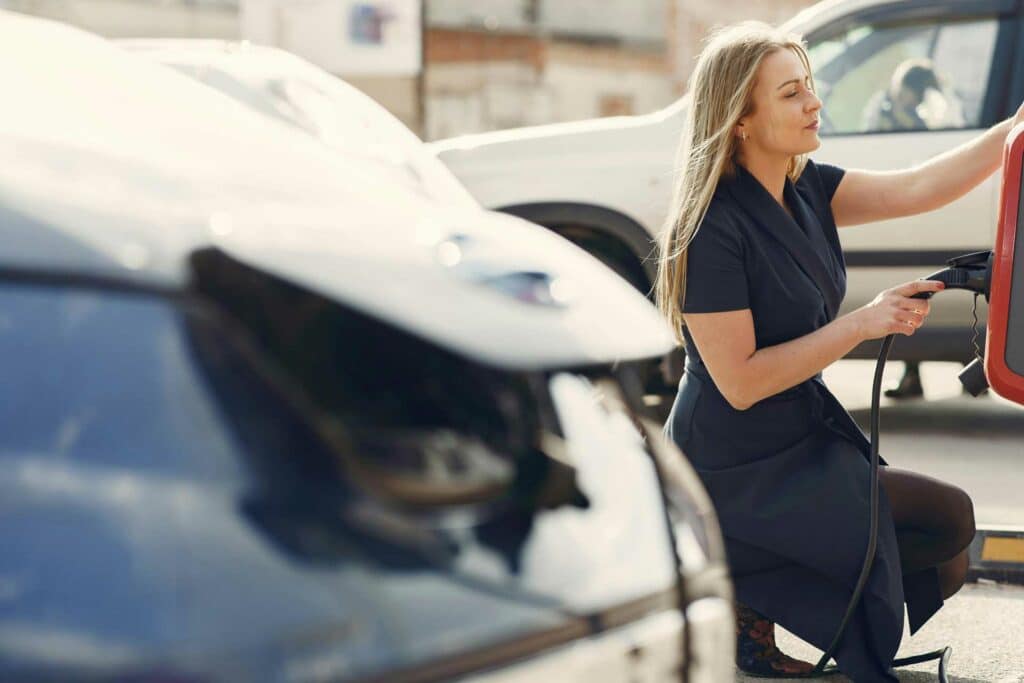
{"x": 792, "y": 94}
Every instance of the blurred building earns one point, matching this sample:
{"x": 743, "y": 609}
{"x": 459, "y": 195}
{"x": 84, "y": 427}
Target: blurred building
{"x": 507, "y": 63}
{"x": 695, "y": 18}
{"x": 448, "y": 67}
{"x": 376, "y": 45}
{"x": 140, "y": 18}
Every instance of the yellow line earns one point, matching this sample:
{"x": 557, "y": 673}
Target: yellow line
{"x": 1004, "y": 549}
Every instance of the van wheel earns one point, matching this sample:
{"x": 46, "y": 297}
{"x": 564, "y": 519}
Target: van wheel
{"x": 660, "y": 376}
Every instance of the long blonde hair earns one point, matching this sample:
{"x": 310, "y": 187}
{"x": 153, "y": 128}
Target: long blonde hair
{"x": 720, "y": 95}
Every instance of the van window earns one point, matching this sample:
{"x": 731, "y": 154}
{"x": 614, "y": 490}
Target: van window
{"x": 904, "y": 77}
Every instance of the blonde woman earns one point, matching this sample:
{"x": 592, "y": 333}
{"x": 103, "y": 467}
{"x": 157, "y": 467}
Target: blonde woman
{"x": 751, "y": 278}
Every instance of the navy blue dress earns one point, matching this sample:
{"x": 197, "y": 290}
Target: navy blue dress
{"x": 789, "y": 475}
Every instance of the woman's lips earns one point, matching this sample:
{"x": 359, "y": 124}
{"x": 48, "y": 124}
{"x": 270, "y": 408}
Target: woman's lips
{"x": 814, "y": 126}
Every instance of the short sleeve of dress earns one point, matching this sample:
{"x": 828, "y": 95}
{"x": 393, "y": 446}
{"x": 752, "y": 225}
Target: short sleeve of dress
{"x": 830, "y": 176}
{"x": 716, "y": 279}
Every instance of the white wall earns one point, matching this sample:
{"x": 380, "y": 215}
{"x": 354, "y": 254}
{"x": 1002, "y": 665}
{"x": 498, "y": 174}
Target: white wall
{"x": 140, "y": 18}
{"x": 504, "y": 15}
{"x": 470, "y": 98}
{"x": 325, "y": 32}
{"x": 629, "y": 20}
{"x": 578, "y": 89}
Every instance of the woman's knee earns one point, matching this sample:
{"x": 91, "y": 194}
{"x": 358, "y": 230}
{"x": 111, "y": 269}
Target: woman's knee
{"x": 925, "y": 505}
{"x": 953, "y": 575}
{"x": 963, "y": 528}
{"x": 954, "y": 527}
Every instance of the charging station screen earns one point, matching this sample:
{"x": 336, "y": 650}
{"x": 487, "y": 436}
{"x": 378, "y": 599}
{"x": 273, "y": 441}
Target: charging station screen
{"x": 1014, "y": 355}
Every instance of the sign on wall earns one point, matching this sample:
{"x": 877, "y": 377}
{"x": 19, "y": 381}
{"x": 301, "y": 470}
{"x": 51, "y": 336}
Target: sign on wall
{"x": 347, "y": 37}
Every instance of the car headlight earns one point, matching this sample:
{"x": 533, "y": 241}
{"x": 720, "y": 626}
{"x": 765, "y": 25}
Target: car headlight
{"x": 695, "y": 525}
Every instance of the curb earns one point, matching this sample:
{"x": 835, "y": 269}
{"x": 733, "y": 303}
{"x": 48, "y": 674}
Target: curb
{"x": 997, "y": 554}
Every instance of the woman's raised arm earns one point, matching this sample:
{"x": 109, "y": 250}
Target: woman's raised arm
{"x": 867, "y": 196}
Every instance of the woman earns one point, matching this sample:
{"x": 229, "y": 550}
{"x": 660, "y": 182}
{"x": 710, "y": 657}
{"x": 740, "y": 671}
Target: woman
{"x": 751, "y": 279}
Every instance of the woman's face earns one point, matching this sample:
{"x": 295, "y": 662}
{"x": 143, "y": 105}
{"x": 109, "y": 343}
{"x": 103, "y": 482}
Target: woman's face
{"x": 785, "y": 118}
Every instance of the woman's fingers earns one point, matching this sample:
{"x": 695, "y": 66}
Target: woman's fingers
{"x": 912, "y": 318}
{"x": 909, "y": 315}
{"x": 912, "y": 312}
{"x": 917, "y": 286}
{"x": 893, "y": 311}
{"x": 916, "y": 305}
{"x": 906, "y": 326}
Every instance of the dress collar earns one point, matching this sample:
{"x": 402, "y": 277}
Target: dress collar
{"x": 800, "y": 234}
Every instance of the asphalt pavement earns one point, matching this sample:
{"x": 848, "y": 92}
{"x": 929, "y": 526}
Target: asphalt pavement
{"x": 983, "y": 623}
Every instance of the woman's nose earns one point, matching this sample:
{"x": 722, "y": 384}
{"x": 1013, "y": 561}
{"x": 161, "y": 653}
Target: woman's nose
{"x": 814, "y": 102}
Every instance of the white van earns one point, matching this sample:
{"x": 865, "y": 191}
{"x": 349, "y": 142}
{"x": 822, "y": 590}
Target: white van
{"x": 606, "y": 184}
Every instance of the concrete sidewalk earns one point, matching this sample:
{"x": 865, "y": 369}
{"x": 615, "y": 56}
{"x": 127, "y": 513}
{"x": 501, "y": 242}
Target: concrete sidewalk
{"x": 983, "y": 623}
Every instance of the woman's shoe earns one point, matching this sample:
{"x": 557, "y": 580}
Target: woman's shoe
{"x": 756, "y": 653}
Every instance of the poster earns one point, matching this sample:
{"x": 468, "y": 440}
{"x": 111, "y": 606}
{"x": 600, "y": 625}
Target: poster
{"x": 346, "y": 37}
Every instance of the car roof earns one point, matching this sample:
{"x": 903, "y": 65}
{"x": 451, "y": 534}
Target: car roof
{"x": 115, "y": 167}
{"x": 259, "y": 76}
{"x": 202, "y": 51}
{"x": 821, "y": 13}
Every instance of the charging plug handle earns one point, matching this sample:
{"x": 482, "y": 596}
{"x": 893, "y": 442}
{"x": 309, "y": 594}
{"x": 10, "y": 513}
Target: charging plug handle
{"x": 972, "y": 272}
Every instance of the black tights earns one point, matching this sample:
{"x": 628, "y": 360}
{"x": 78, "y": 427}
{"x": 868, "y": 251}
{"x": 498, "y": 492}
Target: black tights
{"x": 934, "y": 525}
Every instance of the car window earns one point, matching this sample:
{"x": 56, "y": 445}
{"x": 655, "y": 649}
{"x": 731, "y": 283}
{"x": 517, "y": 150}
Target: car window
{"x": 131, "y": 381}
{"x": 900, "y": 77}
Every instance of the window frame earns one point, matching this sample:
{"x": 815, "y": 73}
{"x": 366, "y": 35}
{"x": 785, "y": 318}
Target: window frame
{"x": 997, "y": 98}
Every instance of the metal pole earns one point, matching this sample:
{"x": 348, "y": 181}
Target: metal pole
{"x": 421, "y": 78}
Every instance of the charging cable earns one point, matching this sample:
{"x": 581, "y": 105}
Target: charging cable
{"x": 972, "y": 272}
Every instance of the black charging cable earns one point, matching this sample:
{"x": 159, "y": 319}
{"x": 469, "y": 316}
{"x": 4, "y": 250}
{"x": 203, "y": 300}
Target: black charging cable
{"x": 972, "y": 272}
{"x": 869, "y": 555}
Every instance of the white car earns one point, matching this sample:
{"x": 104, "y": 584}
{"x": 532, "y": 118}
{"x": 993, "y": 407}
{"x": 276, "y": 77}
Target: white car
{"x": 295, "y": 92}
{"x": 269, "y": 416}
{"x": 606, "y": 184}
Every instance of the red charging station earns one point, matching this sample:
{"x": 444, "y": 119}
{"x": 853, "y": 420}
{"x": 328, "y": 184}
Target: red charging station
{"x": 1004, "y": 347}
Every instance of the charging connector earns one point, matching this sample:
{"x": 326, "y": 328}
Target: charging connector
{"x": 972, "y": 272}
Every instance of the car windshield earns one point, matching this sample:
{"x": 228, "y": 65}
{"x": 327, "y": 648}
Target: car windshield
{"x": 130, "y": 382}
{"x": 297, "y": 93}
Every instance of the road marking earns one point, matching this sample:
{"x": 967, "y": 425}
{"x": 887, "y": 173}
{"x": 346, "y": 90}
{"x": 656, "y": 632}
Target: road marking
{"x": 997, "y": 549}
{"x": 997, "y": 554}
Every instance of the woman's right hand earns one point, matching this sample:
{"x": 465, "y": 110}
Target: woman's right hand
{"x": 894, "y": 312}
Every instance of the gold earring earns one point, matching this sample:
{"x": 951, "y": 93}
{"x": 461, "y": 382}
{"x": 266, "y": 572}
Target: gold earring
{"x": 744, "y": 137}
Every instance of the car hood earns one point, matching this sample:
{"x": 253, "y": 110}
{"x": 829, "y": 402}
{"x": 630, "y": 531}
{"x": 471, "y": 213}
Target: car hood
{"x": 491, "y": 287}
